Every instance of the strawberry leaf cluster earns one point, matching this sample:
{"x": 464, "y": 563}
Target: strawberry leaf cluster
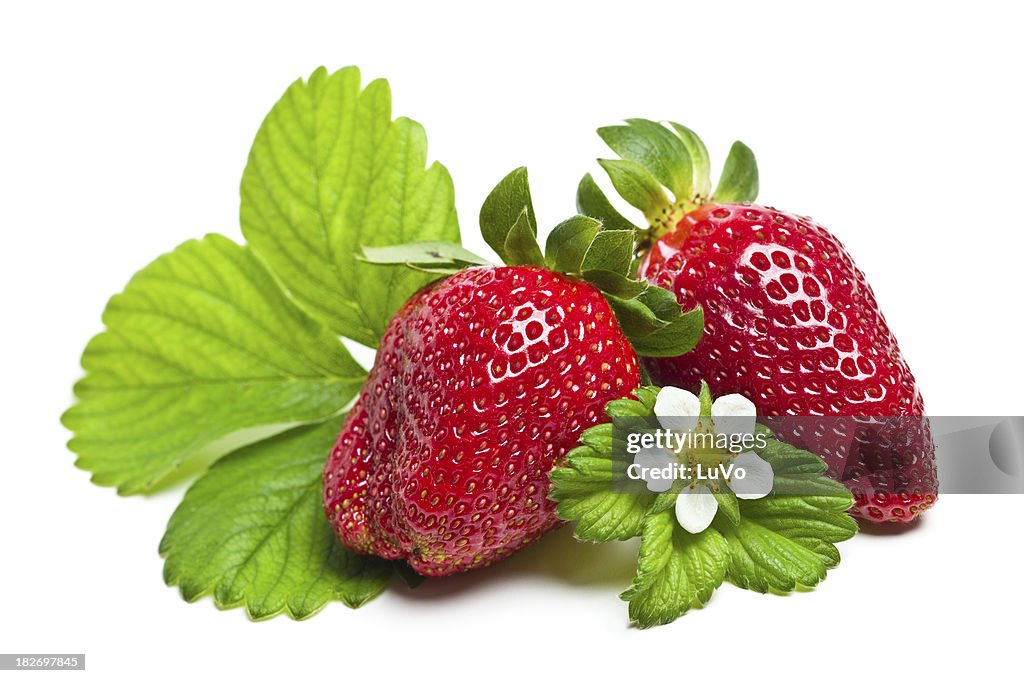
{"x": 219, "y": 347}
{"x": 777, "y": 543}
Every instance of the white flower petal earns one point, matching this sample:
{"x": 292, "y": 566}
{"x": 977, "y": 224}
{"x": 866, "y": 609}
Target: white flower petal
{"x": 757, "y": 482}
{"x": 677, "y": 409}
{"x": 655, "y": 459}
{"x": 695, "y": 508}
{"x": 734, "y": 414}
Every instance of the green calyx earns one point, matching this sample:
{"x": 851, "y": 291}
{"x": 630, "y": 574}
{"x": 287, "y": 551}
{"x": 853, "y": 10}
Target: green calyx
{"x": 665, "y": 172}
{"x": 598, "y": 252}
{"x": 705, "y": 399}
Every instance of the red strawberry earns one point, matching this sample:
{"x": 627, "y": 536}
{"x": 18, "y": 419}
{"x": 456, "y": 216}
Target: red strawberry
{"x": 482, "y": 382}
{"x": 790, "y": 321}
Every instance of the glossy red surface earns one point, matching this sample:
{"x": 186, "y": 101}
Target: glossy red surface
{"x": 791, "y": 323}
{"x": 481, "y": 383}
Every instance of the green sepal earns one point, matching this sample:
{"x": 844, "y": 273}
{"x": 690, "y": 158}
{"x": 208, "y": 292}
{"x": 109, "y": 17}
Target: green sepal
{"x": 503, "y": 208}
{"x": 569, "y": 241}
{"x": 610, "y": 250}
{"x": 700, "y": 158}
{"x": 647, "y": 395}
{"x": 728, "y": 504}
{"x": 637, "y": 186}
{"x": 739, "y": 181}
{"x": 521, "y": 248}
{"x": 647, "y": 312}
{"x": 591, "y": 201}
{"x": 655, "y": 324}
{"x": 652, "y": 146}
{"x": 677, "y": 337}
{"x": 635, "y": 318}
{"x": 642, "y": 405}
{"x": 705, "y": 399}
{"x": 661, "y": 302}
{"x": 614, "y": 283}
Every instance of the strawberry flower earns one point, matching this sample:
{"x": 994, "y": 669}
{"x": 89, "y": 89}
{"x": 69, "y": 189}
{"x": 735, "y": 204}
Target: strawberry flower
{"x": 651, "y": 460}
{"x": 731, "y": 415}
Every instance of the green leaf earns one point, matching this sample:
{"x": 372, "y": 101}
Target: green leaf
{"x": 329, "y": 172}
{"x": 252, "y": 532}
{"x": 784, "y": 542}
{"x": 676, "y": 570}
{"x": 787, "y": 539}
{"x": 503, "y": 208}
{"x": 583, "y": 487}
{"x": 739, "y": 176}
{"x": 591, "y": 201}
{"x": 568, "y": 242}
{"x": 637, "y": 186}
{"x": 610, "y": 250}
{"x": 521, "y": 248}
{"x": 201, "y": 348}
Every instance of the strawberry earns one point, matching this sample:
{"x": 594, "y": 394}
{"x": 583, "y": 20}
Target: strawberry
{"x": 481, "y": 384}
{"x": 790, "y": 321}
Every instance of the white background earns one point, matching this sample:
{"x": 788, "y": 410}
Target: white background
{"x": 124, "y": 130}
